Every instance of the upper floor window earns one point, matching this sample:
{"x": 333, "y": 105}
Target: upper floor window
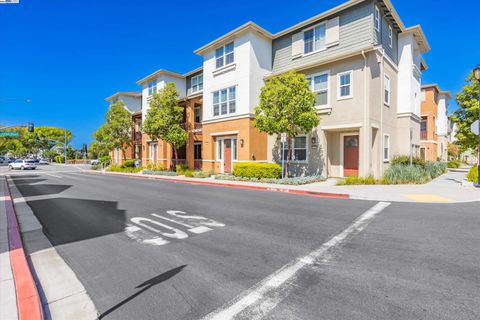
{"x": 377, "y": 18}
{"x": 387, "y": 93}
{"x": 197, "y": 83}
{"x": 314, "y": 39}
{"x": 224, "y": 55}
{"x": 424, "y": 96}
{"x": 152, "y": 87}
{"x": 197, "y": 114}
{"x": 345, "y": 80}
{"x": 390, "y": 36}
{"x": 224, "y": 101}
{"x": 319, "y": 84}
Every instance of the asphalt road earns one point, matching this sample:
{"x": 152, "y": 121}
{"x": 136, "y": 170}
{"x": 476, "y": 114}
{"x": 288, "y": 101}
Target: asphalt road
{"x": 231, "y": 253}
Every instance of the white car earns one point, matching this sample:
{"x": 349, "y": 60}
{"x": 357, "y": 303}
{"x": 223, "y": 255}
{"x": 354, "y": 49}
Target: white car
{"x": 23, "y": 165}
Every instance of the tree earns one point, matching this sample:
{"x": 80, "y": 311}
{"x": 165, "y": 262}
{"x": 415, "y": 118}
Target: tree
{"x": 116, "y": 132}
{"x": 467, "y": 114}
{"x": 164, "y": 119}
{"x": 287, "y": 104}
{"x": 97, "y": 150}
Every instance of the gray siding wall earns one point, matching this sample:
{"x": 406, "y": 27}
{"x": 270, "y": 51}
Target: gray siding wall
{"x": 381, "y": 38}
{"x": 356, "y": 25}
{"x": 189, "y": 82}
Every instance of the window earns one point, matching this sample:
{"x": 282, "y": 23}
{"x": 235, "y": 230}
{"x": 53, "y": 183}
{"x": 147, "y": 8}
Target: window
{"x": 377, "y": 18}
{"x": 152, "y": 87}
{"x": 390, "y": 36}
{"x": 197, "y": 114}
{"x": 219, "y": 149}
{"x": 319, "y": 84}
{"x": 387, "y": 93}
{"x": 345, "y": 85}
{"x": 197, "y": 83}
{"x": 224, "y": 55}
{"x": 197, "y": 151}
{"x": 235, "y": 150}
{"x": 314, "y": 39}
{"x": 386, "y": 148}
{"x": 299, "y": 149}
{"x": 224, "y": 101}
{"x": 424, "y": 96}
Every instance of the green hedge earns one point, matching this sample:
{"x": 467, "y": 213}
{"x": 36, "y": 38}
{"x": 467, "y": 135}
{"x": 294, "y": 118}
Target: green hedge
{"x": 349, "y": 181}
{"x": 129, "y": 163}
{"x": 105, "y": 160}
{"x": 405, "y": 161}
{"x": 472, "y": 175}
{"x": 454, "y": 164}
{"x": 59, "y": 159}
{"x": 257, "y": 170}
{"x": 117, "y": 168}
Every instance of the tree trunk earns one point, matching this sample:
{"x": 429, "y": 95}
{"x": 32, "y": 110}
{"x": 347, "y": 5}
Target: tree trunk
{"x": 176, "y": 158}
{"x": 289, "y": 156}
{"x": 124, "y": 153}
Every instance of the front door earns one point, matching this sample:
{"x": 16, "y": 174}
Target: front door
{"x": 350, "y": 156}
{"x": 227, "y": 151}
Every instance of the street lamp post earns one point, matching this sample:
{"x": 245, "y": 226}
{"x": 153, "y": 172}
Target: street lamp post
{"x": 476, "y": 73}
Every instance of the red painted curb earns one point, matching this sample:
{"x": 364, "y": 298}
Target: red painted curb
{"x": 238, "y": 186}
{"x": 28, "y": 301}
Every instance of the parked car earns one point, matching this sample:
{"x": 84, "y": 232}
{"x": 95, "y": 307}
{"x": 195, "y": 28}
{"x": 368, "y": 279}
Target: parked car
{"x": 3, "y": 161}
{"x": 43, "y": 161}
{"x": 95, "y": 162}
{"x": 23, "y": 165}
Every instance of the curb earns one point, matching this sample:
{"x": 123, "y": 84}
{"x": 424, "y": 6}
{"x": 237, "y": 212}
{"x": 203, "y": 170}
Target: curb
{"x": 232, "y": 185}
{"x": 28, "y": 300}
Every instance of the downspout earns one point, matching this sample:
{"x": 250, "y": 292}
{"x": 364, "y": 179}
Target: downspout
{"x": 382, "y": 99}
{"x": 365, "y": 105}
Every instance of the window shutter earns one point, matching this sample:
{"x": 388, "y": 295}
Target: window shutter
{"x": 297, "y": 45}
{"x": 332, "y": 34}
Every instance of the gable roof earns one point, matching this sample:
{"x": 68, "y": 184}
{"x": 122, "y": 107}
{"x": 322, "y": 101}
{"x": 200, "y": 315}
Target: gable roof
{"x": 124, "y": 93}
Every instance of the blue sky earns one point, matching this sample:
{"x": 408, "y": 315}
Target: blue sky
{"x": 68, "y": 56}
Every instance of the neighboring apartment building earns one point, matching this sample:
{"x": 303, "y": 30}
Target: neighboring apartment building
{"x": 133, "y": 103}
{"x": 435, "y": 129}
{"x": 362, "y": 62}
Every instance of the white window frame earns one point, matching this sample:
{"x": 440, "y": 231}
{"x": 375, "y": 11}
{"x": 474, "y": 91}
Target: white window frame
{"x": 152, "y": 87}
{"x": 152, "y": 146}
{"x": 311, "y": 77}
{"x": 376, "y": 19}
{"x": 219, "y": 152}
{"x": 293, "y": 150}
{"x": 386, "y": 79}
{"x": 228, "y": 101}
{"x": 340, "y": 86}
{"x": 198, "y": 80}
{"x": 387, "y": 147}
{"x": 224, "y": 55}
{"x": 390, "y": 36}
{"x": 324, "y": 24}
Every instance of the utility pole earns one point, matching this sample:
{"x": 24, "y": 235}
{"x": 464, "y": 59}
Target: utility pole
{"x": 65, "y": 146}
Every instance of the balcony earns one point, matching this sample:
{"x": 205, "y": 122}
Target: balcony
{"x": 137, "y": 136}
{"x": 195, "y": 128}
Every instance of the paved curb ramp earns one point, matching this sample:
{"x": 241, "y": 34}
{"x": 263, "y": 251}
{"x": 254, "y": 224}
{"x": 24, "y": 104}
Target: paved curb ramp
{"x": 60, "y": 294}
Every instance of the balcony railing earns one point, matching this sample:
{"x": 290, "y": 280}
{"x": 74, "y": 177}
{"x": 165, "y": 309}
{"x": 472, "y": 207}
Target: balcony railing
{"x": 137, "y": 136}
{"x": 195, "y": 128}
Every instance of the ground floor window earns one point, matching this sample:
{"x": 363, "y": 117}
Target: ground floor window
{"x": 197, "y": 151}
{"x": 386, "y": 148}
{"x": 299, "y": 149}
{"x": 138, "y": 151}
{"x": 153, "y": 151}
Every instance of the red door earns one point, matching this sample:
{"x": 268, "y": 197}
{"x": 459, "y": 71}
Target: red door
{"x": 227, "y": 151}
{"x": 350, "y": 156}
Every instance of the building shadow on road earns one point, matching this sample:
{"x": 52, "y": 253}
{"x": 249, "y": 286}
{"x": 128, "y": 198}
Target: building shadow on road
{"x": 145, "y": 286}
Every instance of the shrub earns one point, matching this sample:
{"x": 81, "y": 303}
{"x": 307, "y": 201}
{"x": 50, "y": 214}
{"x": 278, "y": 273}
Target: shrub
{"x": 435, "y": 169}
{"x": 155, "y": 166}
{"x": 117, "y": 168}
{"x": 257, "y": 170}
{"x": 59, "y": 159}
{"x": 405, "y": 160}
{"x": 454, "y": 164}
{"x": 472, "y": 175}
{"x": 159, "y": 172}
{"x": 401, "y": 174}
{"x": 358, "y": 181}
{"x": 286, "y": 181}
{"x": 188, "y": 173}
{"x": 96, "y": 167}
{"x": 201, "y": 174}
{"x": 105, "y": 160}
{"x": 129, "y": 163}
{"x": 181, "y": 168}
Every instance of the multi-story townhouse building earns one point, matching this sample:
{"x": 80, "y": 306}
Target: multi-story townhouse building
{"x": 133, "y": 103}
{"x": 190, "y": 88}
{"x": 435, "y": 129}
{"x": 362, "y": 62}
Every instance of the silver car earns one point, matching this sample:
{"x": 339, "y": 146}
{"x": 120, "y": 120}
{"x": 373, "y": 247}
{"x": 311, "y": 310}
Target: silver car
{"x": 23, "y": 165}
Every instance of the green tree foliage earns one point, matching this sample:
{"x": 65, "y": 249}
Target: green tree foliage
{"x": 164, "y": 119}
{"x": 287, "y": 104}
{"x": 115, "y": 133}
{"x": 98, "y": 150}
{"x": 464, "y": 116}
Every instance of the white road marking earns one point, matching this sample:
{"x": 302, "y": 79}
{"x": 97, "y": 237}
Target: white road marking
{"x": 53, "y": 175}
{"x": 192, "y": 229}
{"x": 259, "y": 300}
{"x": 177, "y": 233}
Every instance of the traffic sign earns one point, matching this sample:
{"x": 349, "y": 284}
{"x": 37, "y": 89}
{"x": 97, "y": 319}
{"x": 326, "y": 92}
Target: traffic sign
{"x": 9, "y": 134}
{"x": 283, "y": 137}
{"x": 474, "y": 128}
{"x": 52, "y": 142}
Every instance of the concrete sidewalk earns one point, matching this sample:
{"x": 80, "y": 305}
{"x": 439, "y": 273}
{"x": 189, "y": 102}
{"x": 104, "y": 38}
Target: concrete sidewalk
{"x": 447, "y": 188}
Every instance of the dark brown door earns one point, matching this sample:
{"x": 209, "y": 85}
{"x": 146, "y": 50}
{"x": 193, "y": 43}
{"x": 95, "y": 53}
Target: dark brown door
{"x": 227, "y": 151}
{"x": 350, "y": 156}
